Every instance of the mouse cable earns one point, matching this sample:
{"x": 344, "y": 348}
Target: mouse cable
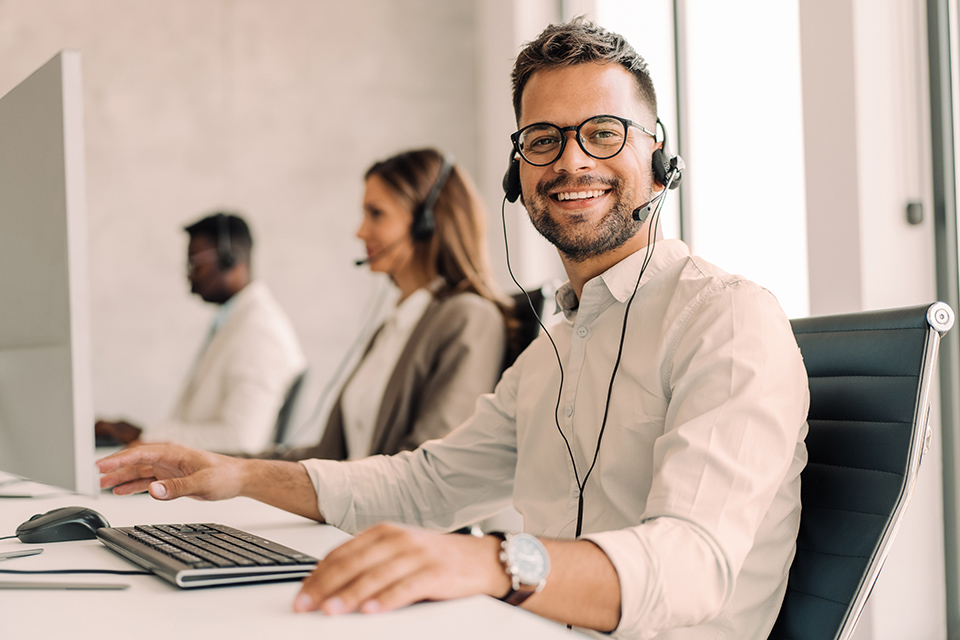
{"x": 8, "y": 537}
{"x": 116, "y": 572}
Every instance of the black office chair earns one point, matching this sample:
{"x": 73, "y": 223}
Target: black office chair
{"x": 286, "y": 409}
{"x": 870, "y": 377}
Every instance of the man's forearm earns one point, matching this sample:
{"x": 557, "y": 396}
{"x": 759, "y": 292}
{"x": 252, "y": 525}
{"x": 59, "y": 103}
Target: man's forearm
{"x": 583, "y": 588}
{"x": 281, "y": 484}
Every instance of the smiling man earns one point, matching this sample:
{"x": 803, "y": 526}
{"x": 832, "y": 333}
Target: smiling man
{"x": 653, "y": 441}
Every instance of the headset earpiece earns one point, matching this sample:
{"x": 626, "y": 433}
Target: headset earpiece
{"x": 511, "y": 179}
{"x": 664, "y": 163}
{"x": 225, "y": 256}
{"x": 424, "y": 219}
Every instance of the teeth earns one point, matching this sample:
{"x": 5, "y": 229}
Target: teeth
{"x": 579, "y": 195}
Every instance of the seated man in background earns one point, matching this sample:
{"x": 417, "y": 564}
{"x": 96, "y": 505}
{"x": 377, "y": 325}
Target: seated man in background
{"x": 250, "y": 358}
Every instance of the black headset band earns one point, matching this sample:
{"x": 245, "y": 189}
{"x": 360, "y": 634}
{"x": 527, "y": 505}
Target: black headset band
{"x": 424, "y": 219}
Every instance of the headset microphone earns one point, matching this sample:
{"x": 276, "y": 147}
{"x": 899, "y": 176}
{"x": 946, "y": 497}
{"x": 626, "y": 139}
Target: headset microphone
{"x": 640, "y": 213}
{"x": 362, "y": 261}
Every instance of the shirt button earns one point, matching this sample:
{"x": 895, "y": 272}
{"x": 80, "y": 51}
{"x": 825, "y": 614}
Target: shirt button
{"x": 568, "y": 410}
{"x": 583, "y": 332}
{"x": 576, "y": 492}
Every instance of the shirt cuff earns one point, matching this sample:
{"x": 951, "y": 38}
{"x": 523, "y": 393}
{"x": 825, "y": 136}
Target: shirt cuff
{"x": 629, "y": 559}
{"x": 670, "y": 576}
{"x": 334, "y": 495}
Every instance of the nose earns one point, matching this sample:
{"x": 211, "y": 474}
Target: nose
{"x": 362, "y": 229}
{"x": 573, "y": 159}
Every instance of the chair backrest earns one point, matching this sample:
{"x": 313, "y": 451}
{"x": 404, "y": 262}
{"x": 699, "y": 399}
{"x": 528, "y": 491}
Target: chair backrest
{"x": 286, "y": 409}
{"x": 870, "y": 376}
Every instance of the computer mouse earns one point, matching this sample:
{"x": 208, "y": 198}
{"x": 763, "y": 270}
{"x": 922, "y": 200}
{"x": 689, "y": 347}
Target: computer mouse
{"x": 60, "y": 525}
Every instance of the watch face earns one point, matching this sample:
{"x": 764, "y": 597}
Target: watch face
{"x": 527, "y": 557}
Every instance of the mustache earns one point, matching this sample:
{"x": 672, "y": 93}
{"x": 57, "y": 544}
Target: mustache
{"x": 580, "y": 182}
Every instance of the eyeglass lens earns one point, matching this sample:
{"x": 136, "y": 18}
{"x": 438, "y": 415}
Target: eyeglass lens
{"x": 601, "y": 137}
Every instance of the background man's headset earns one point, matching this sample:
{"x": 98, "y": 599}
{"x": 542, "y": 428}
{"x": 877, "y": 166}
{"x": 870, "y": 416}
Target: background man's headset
{"x": 667, "y": 170}
{"x": 226, "y": 258}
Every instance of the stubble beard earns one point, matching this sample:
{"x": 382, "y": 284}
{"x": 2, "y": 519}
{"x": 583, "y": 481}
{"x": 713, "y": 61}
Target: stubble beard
{"x": 578, "y": 242}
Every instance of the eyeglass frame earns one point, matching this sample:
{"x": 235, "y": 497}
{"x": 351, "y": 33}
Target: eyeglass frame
{"x": 626, "y": 122}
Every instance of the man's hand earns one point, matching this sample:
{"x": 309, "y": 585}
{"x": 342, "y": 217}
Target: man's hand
{"x": 172, "y": 471}
{"x": 388, "y": 566}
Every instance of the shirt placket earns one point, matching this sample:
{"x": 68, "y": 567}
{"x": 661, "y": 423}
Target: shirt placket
{"x": 579, "y": 340}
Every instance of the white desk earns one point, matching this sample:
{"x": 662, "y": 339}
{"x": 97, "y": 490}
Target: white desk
{"x": 153, "y": 608}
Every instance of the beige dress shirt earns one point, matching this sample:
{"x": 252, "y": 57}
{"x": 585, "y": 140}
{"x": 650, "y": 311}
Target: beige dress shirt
{"x": 231, "y": 399}
{"x": 695, "y": 496}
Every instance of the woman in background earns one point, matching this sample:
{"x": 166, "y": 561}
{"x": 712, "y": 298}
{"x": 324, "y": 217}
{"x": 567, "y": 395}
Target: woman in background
{"x": 444, "y": 343}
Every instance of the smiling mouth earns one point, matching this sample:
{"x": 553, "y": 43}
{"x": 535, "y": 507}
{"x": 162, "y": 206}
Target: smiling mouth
{"x": 567, "y": 196}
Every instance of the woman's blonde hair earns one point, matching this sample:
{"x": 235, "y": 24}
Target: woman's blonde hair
{"x": 457, "y": 246}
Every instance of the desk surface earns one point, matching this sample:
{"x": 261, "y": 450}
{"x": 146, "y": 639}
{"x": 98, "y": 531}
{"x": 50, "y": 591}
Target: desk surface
{"x": 152, "y": 608}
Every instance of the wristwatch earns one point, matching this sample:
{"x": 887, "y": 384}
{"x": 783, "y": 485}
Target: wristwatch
{"x": 526, "y": 562}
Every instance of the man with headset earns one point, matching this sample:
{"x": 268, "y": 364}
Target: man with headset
{"x": 657, "y": 467}
{"x": 250, "y": 358}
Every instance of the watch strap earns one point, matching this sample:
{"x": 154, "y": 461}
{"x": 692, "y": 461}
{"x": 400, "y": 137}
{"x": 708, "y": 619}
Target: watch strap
{"x": 518, "y": 592}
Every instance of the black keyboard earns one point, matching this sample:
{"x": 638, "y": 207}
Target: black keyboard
{"x": 203, "y": 555}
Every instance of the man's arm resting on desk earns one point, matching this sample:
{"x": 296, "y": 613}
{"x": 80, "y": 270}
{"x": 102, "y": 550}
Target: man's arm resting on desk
{"x": 388, "y": 566}
{"x": 173, "y": 471}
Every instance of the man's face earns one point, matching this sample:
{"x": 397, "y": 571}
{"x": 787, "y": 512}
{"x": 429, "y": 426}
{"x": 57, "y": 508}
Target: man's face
{"x": 582, "y": 205}
{"x": 203, "y": 270}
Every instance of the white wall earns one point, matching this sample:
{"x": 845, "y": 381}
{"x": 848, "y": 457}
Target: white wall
{"x": 272, "y": 107}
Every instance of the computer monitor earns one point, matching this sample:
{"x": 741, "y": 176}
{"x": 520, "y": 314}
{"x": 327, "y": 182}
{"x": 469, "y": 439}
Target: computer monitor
{"x": 46, "y": 406}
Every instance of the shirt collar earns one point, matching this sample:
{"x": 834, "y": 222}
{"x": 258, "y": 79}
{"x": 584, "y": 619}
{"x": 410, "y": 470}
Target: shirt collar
{"x": 620, "y": 279}
{"x": 408, "y": 313}
{"x": 223, "y": 312}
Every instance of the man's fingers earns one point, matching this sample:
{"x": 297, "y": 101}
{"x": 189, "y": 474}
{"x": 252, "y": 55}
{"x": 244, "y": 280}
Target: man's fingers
{"x": 177, "y": 488}
{"x": 130, "y": 488}
{"x": 124, "y": 475}
{"x": 146, "y": 454}
{"x": 395, "y": 573}
{"x": 384, "y": 568}
{"x": 340, "y": 567}
{"x": 414, "y": 587}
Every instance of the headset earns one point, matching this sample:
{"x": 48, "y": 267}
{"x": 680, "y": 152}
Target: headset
{"x": 424, "y": 219}
{"x": 226, "y": 258}
{"x": 665, "y": 165}
{"x": 667, "y": 170}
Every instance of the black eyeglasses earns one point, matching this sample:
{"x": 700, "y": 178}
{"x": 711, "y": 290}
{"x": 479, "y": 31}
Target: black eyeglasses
{"x": 600, "y": 137}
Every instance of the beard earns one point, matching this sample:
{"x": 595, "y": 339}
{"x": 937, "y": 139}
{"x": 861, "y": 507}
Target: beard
{"x": 578, "y": 242}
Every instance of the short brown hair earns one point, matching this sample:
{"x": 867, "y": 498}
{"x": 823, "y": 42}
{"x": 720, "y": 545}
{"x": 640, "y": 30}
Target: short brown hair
{"x": 577, "y": 42}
